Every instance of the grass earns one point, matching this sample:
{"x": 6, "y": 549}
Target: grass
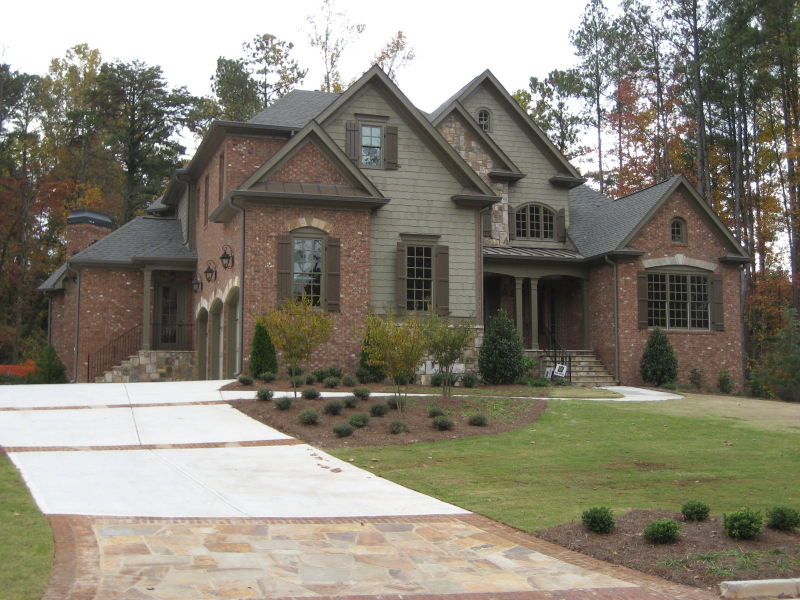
{"x": 27, "y": 554}
{"x": 623, "y": 455}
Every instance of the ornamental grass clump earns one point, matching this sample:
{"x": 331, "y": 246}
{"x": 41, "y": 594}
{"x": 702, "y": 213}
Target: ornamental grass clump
{"x": 443, "y": 423}
{"x": 358, "y": 420}
{"x": 309, "y": 416}
{"x": 283, "y": 403}
{"x": 743, "y": 524}
{"x": 478, "y": 420}
{"x": 379, "y": 409}
{"x": 245, "y": 380}
{"x": 435, "y": 411}
{"x": 361, "y": 392}
{"x": 662, "y": 531}
{"x": 469, "y": 380}
{"x": 398, "y": 426}
{"x": 350, "y": 401}
{"x": 331, "y": 382}
{"x": 267, "y": 376}
{"x": 334, "y": 407}
{"x": 783, "y": 518}
{"x": 343, "y": 430}
{"x": 598, "y": 519}
{"x": 695, "y": 510}
{"x": 264, "y": 394}
{"x": 349, "y": 381}
{"x": 310, "y": 393}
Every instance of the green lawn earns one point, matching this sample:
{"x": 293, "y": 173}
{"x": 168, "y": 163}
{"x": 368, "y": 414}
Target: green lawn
{"x": 727, "y": 451}
{"x": 26, "y": 553}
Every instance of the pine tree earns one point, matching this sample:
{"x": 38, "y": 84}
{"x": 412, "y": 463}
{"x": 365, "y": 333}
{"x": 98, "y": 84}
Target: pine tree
{"x": 502, "y": 355}
{"x": 49, "y": 368}
{"x": 263, "y": 358}
{"x": 659, "y": 364}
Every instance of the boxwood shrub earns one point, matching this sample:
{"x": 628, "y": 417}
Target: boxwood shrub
{"x": 598, "y": 519}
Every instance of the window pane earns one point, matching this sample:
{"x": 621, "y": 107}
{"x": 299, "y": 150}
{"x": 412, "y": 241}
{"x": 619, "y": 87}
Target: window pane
{"x": 678, "y": 302}
{"x": 656, "y": 300}
{"x": 370, "y": 146}
{"x": 699, "y": 302}
{"x": 419, "y": 277}
{"x": 307, "y": 269}
{"x": 522, "y": 222}
{"x": 677, "y": 231}
{"x": 535, "y": 213}
{"x": 548, "y": 224}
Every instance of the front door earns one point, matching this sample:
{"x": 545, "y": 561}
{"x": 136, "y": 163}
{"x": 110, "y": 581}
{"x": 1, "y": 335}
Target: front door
{"x": 169, "y": 329}
{"x": 548, "y": 320}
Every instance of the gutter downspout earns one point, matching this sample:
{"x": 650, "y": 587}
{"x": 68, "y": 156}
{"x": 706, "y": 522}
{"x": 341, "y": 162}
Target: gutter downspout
{"x": 77, "y": 322}
{"x": 616, "y": 319}
{"x": 240, "y": 308}
{"x": 49, "y": 319}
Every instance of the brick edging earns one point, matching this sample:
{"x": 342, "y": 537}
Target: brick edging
{"x": 76, "y": 566}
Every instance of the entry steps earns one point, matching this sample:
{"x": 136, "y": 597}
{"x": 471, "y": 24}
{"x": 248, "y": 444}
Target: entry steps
{"x": 587, "y": 370}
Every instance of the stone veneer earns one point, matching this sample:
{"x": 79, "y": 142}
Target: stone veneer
{"x": 154, "y": 365}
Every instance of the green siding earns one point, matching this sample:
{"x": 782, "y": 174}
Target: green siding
{"x": 420, "y": 192}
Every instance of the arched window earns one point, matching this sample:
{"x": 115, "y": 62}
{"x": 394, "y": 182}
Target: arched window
{"x": 678, "y": 231}
{"x": 485, "y": 119}
{"x": 535, "y": 222}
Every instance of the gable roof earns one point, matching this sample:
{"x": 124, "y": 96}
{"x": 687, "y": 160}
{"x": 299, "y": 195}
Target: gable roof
{"x": 413, "y": 117}
{"x": 54, "y": 281}
{"x": 523, "y": 120}
{"x": 295, "y": 109}
{"x": 599, "y": 225}
{"x": 142, "y": 240}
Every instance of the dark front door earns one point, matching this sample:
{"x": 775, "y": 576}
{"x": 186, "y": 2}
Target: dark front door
{"x": 169, "y": 329}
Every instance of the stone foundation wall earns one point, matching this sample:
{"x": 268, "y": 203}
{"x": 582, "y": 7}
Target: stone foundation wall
{"x": 154, "y": 365}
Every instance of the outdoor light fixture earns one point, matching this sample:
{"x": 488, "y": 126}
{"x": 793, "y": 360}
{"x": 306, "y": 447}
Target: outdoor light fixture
{"x": 197, "y": 285}
{"x": 211, "y": 272}
{"x": 227, "y": 257}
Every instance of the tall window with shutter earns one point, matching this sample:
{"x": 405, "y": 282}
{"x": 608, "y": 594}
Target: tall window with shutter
{"x": 372, "y": 145}
{"x": 686, "y": 301}
{"x": 309, "y": 265}
{"x": 423, "y": 277}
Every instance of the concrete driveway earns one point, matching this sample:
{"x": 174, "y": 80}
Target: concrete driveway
{"x": 159, "y": 491}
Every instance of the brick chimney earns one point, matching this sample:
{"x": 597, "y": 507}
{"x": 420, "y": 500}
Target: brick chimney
{"x": 84, "y": 227}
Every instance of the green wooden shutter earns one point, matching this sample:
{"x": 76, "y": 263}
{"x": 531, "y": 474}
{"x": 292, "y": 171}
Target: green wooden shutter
{"x": 717, "y": 307}
{"x": 561, "y": 226}
{"x": 442, "y": 280}
{"x": 401, "y": 277}
{"x": 333, "y": 274}
{"x": 284, "y": 268}
{"x": 486, "y": 224}
{"x": 641, "y": 292}
{"x": 512, "y": 222}
{"x": 391, "y": 147}
{"x": 352, "y": 145}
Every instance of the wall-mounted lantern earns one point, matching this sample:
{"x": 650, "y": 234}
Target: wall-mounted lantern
{"x": 211, "y": 271}
{"x": 197, "y": 285}
{"x": 227, "y": 257}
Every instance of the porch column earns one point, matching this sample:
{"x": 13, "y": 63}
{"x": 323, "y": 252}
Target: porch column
{"x": 518, "y": 306}
{"x": 148, "y": 277}
{"x": 534, "y": 313}
{"x": 587, "y": 329}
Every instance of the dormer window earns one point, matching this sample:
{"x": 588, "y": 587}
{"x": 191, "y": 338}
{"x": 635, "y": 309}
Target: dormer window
{"x": 678, "y": 231}
{"x": 485, "y": 119}
{"x": 535, "y": 222}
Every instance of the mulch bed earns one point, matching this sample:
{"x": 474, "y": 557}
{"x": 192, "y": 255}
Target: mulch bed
{"x": 703, "y": 556}
{"x": 520, "y": 412}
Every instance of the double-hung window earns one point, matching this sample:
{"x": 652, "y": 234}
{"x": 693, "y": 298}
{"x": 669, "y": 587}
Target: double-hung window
{"x": 309, "y": 263}
{"x": 419, "y": 277}
{"x": 371, "y": 145}
{"x": 423, "y": 274}
{"x": 308, "y": 268}
{"x": 678, "y": 301}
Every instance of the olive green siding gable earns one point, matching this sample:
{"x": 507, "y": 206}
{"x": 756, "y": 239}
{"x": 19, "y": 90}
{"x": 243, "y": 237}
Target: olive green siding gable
{"x": 420, "y": 190}
{"x": 535, "y": 187}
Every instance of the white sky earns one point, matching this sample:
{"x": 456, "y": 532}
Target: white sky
{"x": 453, "y": 41}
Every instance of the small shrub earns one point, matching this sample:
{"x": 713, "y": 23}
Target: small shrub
{"x": 350, "y": 401}
{"x": 333, "y": 407}
{"x": 598, "y": 519}
{"x": 320, "y": 375}
{"x": 695, "y": 510}
{"x": 267, "y": 376}
{"x": 501, "y": 358}
{"x": 788, "y": 393}
{"x": 435, "y": 411}
{"x": 366, "y": 373}
{"x": 310, "y": 380}
{"x": 297, "y": 380}
{"x": 343, "y": 430}
{"x": 283, "y": 403}
{"x": 478, "y": 420}
{"x": 358, "y": 420}
{"x": 469, "y": 380}
{"x": 669, "y": 386}
{"x": 335, "y": 372}
{"x": 405, "y": 379}
{"x": 696, "y": 378}
{"x": 523, "y": 380}
{"x": 539, "y": 382}
{"x": 294, "y": 371}
{"x": 712, "y": 390}
{"x": 743, "y": 524}
{"x": 310, "y": 393}
{"x": 263, "y": 358}
{"x": 437, "y": 379}
{"x": 398, "y": 426}
{"x": 49, "y": 368}
{"x": 561, "y": 381}
{"x": 309, "y": 416}
{"x": 264, "y": 394}
{"x": 245, "y": 380}
{"x": 658, "y": 365}
{"x": 443, "y": 423}
{"x": 757, "y": 387}
{"x": 331, "y": 382}
{"x": 783, "y": 518}
{"x": 686, "y": 386}
{"x": 662, "y": 531}
{"x": 379, "y": 409}
{"x": 725, "y": 382}
{"x": 395, "y": 403}
{"x": 349, "y": 381}
{"x": 361, "y": 392}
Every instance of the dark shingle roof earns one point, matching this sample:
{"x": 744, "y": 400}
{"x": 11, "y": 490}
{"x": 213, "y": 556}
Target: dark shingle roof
{"x": 295, "y": 109}
{"x": 432, "y": 116}
{"x": 50, "y": 283}
{"x": 599, "y": 225}
{"x": 144, "y": 238}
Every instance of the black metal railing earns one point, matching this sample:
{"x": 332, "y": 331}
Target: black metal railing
{"x": 556, "y": 352}
{"x": 172, "y": 336}
{"x": 114, "y": 352}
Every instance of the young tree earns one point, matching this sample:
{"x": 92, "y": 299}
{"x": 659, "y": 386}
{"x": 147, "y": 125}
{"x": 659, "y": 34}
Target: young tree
{"x": 659, "y": 365}
{"x": 501, "y": 359}
{"x": 446, "y": 345}
{"x": 297, "y": 328}
{"x": 395, "y": 55}
{"x": 273, "y": 71}
{"x": 263, "y": 358}
{"x": 398, "y": 347}
{"x": 331, "y": 37}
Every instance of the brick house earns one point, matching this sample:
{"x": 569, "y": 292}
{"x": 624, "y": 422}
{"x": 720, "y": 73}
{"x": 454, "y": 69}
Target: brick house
{"x": 365, "y": 203}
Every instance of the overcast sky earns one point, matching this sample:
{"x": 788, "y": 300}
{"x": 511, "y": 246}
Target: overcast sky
{"x": 453, "y": 41}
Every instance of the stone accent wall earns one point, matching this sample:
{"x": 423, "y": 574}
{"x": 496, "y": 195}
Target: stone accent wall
{"x": 160, "y": 365}
{"x": 482, "y": 163}
{"x": 309, "y": 166}
{"x": 710, "y": 351}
